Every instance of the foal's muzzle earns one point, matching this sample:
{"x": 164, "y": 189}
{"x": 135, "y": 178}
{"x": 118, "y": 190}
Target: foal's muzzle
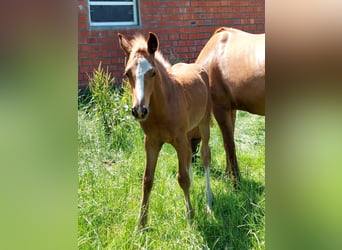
{"x": 140, "y": 112}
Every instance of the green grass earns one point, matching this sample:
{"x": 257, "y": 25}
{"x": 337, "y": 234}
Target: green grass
{"x": 109, "y": 193}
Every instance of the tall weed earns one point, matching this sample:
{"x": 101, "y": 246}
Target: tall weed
{"x": 111, "y": 107}
{"x": 100, "y": 86}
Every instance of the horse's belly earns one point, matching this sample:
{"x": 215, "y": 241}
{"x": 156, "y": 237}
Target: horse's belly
{"x": 250, "y": 96}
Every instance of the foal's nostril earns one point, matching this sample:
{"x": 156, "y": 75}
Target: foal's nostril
{"x": 139, "y": 112}
{"x": 134, "y": 112}
{"x": 144, "y": 111}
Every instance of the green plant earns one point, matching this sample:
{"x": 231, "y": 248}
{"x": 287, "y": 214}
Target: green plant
{"x": 100, "y": 86}
{"x": 111, "y": 108}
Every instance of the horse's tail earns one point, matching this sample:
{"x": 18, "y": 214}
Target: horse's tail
{"x": 205, "y": 78}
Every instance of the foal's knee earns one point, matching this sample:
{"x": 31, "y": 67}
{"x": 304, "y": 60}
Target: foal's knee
{"x": 205, "y": 155}
{"x": 148, "y": 182}
{"x": 183, "y": 180}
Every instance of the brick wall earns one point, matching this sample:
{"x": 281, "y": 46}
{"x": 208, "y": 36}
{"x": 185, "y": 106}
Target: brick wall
{"x": 183, "y": 28}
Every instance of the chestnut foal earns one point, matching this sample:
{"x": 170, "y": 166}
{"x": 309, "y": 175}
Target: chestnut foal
{"x": 169, "y": 102}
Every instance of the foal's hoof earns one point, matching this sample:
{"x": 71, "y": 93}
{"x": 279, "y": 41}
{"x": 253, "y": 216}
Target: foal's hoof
{"x": 209, "y": 209}
{"x": 236, "y": 182}
{"x": 191, "y": 215}
{"x": 139, "y": 229}
{"x": 236, "y": 185}
{"x": 209, "y": 206}
{"x": 142, "y": 222}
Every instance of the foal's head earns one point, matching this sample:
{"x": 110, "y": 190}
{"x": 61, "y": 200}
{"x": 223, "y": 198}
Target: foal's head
{"x": 141, "y": 71}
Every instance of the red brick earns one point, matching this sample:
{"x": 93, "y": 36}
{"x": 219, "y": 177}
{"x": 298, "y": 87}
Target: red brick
{"x": 151, "y": 3}
{"x": 83, "y": 55}
{"x": 91, "y": 40}
{"x": 252, "y": 27}
{"x": 106, "y": 47}
{"x": 84, "y": 69}
{"x": 175, "y": 43}
{"x": 173, "y": 36}
{"x": 82, "y": 40}
{"x": 83, "y": 18}
{"x": 83, "y": 33}
{"x": 95, "y": 47}
{"x": 260, "y": 27}
{"x": 253, "y": 15}
{"x": 148, "y": 11}
{"x": 82, "y": 26}
{"x": 260, "y": 14}
{"x": 174, "y": 17}
{"x": 102, "y": 33}
{"x": 199, "y": 3}
{"x": 184, "y": 49}
{"x": 87, "y": 62}
{"x": 183, "y": 36}
{"x": 85, "y": 48}
{"x": 169, "y": 10}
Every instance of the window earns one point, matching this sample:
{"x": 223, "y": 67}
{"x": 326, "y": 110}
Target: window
{"x": 113, "y": 12}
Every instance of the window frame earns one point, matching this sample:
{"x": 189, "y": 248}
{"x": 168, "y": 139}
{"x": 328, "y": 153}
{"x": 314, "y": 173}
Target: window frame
{"x": 133, "y": 3}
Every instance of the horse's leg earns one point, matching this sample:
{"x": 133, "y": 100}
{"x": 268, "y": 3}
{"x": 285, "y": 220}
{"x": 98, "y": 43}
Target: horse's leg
{"x": 194, "y": 137}
{"x": 194, "y": 148}
{"x": 152, "y": 149}
{"x": 225, "y": 119}
{"x": 206, "y": 159}
{"x": 233, "y": 114}
{"x": 183, "y": 149}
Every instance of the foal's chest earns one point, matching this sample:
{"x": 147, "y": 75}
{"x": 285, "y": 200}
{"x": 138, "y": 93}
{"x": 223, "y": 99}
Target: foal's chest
{"x": 161, "y": 131}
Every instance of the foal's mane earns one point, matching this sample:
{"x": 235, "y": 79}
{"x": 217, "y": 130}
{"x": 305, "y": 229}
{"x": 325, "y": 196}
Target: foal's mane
{"x": 139, "y": 44}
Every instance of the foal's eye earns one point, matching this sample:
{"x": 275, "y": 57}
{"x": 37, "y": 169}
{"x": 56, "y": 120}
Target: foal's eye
{"x": 153, "y": 73}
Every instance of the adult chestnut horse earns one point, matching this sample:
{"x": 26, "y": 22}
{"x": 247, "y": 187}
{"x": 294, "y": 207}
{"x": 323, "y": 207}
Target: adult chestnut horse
{"x": 169, "y": 102}
{"x": 235, "y": 62}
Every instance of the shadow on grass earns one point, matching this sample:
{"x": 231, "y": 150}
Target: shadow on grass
{"x": 237, "y": 221}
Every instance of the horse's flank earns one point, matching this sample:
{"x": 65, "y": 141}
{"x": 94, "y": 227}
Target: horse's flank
{"x": 236, "y": 59}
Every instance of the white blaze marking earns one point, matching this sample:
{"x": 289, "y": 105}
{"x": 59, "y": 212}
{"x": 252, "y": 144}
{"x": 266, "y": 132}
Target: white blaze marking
{"x": 142, "y": 68}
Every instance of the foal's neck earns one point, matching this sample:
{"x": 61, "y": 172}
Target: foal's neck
{"x": 163, "y": 91}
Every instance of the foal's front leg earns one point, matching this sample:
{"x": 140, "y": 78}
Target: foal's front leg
{"x": 183, "y": 149}
{"x": 152, "y": 149}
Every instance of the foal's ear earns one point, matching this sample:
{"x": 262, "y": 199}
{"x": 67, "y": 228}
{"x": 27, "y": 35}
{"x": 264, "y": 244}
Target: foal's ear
{"x": 125, "y": 44}
{"x": 152, "y": 42}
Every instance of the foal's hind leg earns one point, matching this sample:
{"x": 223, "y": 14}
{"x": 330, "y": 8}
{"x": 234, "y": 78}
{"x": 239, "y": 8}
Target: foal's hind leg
{"x": 226, "y": 120}
{"x": 194, "y": 137}
{"x": 194, "y": 148}
{"x": 152, "y": 150}
{"x": 183, "y": 149}
{"x": 206, "y": 159}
